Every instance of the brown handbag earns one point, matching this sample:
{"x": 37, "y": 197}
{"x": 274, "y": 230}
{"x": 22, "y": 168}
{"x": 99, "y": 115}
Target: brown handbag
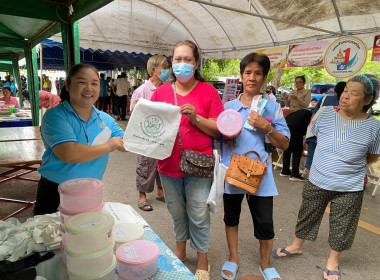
{"x": 194, "y": 163}
{"x": 246, "y": 173}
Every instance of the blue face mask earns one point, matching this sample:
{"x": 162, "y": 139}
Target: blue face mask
{"x": 164, "y": 75}
{"x": 183, "y": 71}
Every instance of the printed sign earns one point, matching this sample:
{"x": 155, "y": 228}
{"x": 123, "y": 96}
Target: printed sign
{"x": 376, "y": 49}
{"x": 277, "y": 56}
{"x": 345, "y": 57}
{"x": 230, "y": 89}
{"x": 306, "y": 55}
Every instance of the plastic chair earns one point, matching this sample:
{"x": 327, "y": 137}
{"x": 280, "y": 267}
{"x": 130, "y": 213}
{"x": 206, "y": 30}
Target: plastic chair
{"x": 373, "y": 178}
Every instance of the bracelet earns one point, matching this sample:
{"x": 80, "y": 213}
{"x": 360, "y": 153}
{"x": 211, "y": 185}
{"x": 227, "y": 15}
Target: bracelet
{"x": 270, "y": 132}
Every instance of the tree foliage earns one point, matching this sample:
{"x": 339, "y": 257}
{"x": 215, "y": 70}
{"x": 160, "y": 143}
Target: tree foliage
{"x": 212, "y": 69}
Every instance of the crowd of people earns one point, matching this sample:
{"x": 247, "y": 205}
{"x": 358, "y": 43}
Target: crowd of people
{"x": 78, "y": 137}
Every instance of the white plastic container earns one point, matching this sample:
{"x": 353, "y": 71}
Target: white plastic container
{"x": 137, "y": 260}
{"x": 108, "y": 274}
{"x": 95, "y": 263}
{"x": 125, "y": 232}
{"x": 62, "y": 247}
{"x": 79, "y": 195}
{"x": 88, "y": 232}
{"x": 65, "y": 214}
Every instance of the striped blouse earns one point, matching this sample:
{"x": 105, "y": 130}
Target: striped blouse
{"x": 339, "y": 162}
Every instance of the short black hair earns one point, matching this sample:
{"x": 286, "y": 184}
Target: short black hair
{"x": 259, "y": 58}
{"x": 339, "y": 88}
{"x": 123, "y": 75}
{"x": 314, "y": 99}
{"x": 302, "y": 78}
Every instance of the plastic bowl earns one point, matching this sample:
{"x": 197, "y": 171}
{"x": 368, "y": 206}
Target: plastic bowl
{"x": 108, "y": 274}
{"x": 230, "y": 123}
{"x": 65, "y": 214}
{"x": 80, "y": 195}
{"x": 88, "y": 232}
{"x": 137, "y": 260}
{"x": 90, "y": 263}
{"x": 125, "y": 232}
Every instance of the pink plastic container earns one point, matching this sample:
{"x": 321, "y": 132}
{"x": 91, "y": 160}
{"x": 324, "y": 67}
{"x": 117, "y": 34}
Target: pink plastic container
{"x": 62, "y": 247}
{"x": 80, "y": 195}
{"x": 137, "y": 260}
{"x": 65, "y": 214}
{"x": 230, "y": 123}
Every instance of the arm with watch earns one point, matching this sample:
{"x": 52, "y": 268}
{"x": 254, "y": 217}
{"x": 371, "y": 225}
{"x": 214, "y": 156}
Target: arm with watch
{"x": 207, "y": 126}
{"x": 276, "y": 138}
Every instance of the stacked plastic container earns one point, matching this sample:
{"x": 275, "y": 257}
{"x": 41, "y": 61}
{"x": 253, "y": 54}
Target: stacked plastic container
{"x": 87, "y": 241}
{"x": 89, "y": 246}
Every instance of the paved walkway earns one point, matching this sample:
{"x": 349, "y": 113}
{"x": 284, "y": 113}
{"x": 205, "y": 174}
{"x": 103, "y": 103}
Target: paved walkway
{"x": 361, "y": 262}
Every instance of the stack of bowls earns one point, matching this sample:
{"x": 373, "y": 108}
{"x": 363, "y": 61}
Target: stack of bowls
{"x": 125, "y": 232}
{"x": 89, "y": 246}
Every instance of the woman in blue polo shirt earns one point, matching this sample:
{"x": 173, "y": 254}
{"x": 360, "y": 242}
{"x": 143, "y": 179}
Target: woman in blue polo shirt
{"x": 254, "y": 69}
{"x": 348, "y": 140}
{"x": 77, "y": 138}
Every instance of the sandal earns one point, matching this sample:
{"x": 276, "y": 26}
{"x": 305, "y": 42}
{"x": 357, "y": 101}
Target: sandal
{"x": 231, "y": 267}
{"x": 330, "y": 272}
{"x": 269, "y": 273}
{"x": 201, "y": 274}
{"x": 145, "y": 206}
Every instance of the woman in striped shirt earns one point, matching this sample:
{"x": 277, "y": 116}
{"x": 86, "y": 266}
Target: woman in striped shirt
{"x": 348, "y": 140}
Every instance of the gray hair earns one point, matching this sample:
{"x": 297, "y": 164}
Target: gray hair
{"x": 154, "y": 62}
{"x": 371, "y": 87}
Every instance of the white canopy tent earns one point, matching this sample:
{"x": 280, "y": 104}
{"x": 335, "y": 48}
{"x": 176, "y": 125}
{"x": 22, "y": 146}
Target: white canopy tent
{"x": 225, "y": 28}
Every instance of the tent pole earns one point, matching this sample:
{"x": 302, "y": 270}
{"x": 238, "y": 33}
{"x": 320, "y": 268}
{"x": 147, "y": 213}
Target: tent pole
{"x": 41, "y": 67}
{"x": 70, "y": 42}
{"x": 31, "y": 65}
{"x": 16, "y": 70}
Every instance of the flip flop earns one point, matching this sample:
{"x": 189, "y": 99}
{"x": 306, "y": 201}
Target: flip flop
{"x": 162, "y": 198}
{"x": 287, "y": 253}
{"x": 330, "y": 272}
{"x": 144, "y": 206}
{"x": 269, "y": 273}
{"x": 232, "y": 267}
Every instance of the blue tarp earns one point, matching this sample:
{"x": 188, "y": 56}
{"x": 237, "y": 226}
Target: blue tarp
{"x": 52, "y": 58}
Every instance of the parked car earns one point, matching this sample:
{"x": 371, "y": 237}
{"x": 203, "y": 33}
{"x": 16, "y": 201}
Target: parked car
{"x": 219, "y": 85}
{"x": 321, "y": 89}
{"x": 282, "y": 89}
{"x": 376, "y": 107}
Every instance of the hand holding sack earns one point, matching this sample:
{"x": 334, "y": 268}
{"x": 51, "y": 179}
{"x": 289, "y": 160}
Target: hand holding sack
{"x": 152, "y": 129}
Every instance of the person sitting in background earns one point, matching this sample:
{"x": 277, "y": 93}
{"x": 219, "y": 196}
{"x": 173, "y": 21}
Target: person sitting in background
{"x": 9, "y": 100}
{"x": 300, "y": 97}
{"x": 10, "y": 83}
{"x": 314, "y": 102}
{"x": 327, "y": 101}
{"x": 46, "y": 99}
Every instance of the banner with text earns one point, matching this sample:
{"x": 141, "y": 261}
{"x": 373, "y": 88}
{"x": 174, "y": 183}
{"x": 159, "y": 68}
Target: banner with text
{"x": 276, "y": 55}
{"x": 230, "y": 90}
{"x": 376, "y": 49}
{"x": 306, "y": 55}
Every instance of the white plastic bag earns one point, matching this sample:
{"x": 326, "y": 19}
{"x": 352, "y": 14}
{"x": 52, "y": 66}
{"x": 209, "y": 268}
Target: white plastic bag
{"x": 152, "y": 129}
{"x": 215, "y": 196}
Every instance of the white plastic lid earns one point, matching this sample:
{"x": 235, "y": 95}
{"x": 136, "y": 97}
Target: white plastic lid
{"x": 229, "y": 122}
{"x": 137, "y": 252}
{"x": 82, "y": 186}
{"x": 72, "y": 213}
{"x": 125, "y": 232}
{"x": 90, "y": 223}
{"x": 94, "y": 276}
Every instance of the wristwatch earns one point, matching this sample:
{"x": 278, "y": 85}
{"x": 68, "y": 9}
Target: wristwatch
{"x": 270, "y": 132}
{"x": 196, "y": 120}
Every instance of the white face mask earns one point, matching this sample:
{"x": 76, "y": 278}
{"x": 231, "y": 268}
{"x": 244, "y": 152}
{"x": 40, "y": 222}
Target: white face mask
{"x": 103, "y": 137}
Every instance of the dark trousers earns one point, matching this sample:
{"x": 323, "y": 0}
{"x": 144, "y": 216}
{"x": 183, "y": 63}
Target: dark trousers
{"x": 47, "y": 200}
{"x": 102, "y": 103}
{"x": 297, "y": 123}
{"x": 122, "y": 106}
{"x": 114, "y": 103}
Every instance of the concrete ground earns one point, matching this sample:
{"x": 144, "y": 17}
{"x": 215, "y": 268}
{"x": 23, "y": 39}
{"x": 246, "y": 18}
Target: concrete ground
{"x": 361, "y": 262}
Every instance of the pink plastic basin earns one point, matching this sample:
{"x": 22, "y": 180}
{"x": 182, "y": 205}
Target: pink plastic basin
{"x": 137, "y": 260}
{"x": 80, "y": 195}
{"x": 230, "y": 123}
